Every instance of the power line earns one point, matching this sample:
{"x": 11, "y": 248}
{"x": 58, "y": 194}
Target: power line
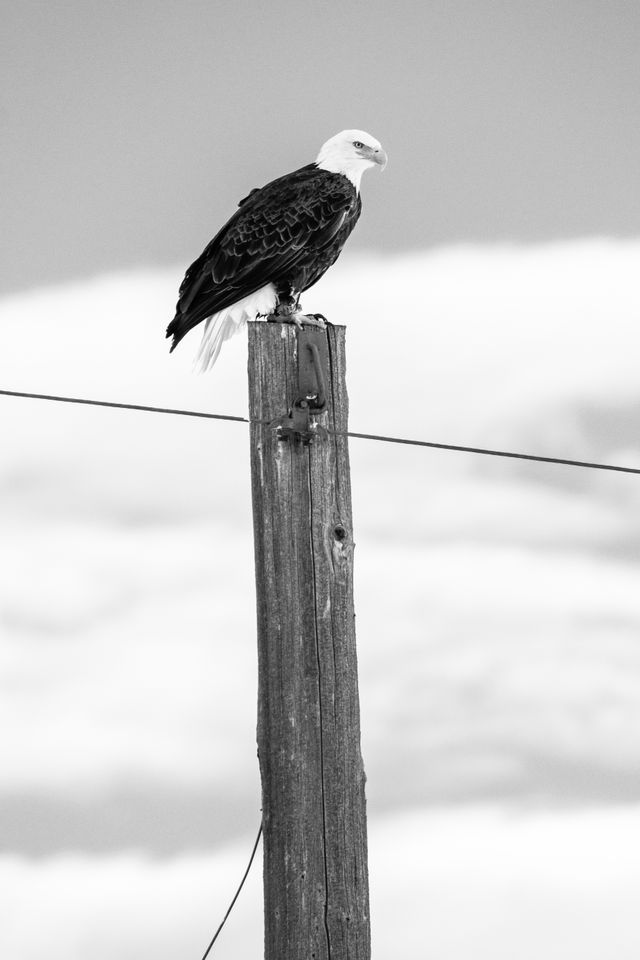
{"x": 123, "y": 406}
{"x": 497, "y": 453}
{"x": 483, "y": 451}
{"x": 237, "y": 893}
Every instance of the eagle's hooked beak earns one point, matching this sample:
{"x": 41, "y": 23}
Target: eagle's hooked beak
{"x": 380, "y": 156}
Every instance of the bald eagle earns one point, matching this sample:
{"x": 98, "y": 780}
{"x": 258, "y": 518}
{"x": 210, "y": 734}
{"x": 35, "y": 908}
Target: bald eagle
{"x": 279, "y": 242}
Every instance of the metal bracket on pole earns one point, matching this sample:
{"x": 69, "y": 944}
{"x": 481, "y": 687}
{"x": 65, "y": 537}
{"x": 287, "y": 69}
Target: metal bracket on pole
{"x": 300, "y": 426}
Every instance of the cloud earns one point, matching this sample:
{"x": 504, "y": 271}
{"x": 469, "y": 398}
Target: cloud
{"x": 560, "y": 885}
{"x": 497, "y": 601}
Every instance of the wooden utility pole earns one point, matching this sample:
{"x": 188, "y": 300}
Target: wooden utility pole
{"x": 313, "y": 804}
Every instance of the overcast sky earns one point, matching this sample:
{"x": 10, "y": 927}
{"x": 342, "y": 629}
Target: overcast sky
{"x": 129, "y": 133}
{"x": 497, "y": 603}
{"x": 131, "y": 130}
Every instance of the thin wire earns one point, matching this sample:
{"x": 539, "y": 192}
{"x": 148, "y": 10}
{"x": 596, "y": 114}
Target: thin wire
{"x": 496, "y": 453}
{"x": 237, "y": 894}
{"x": 123, "y": 406}
{"x": 359, "y": 436}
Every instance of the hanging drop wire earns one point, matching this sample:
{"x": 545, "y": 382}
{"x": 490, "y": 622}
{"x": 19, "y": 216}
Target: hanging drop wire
{"x": 237, "y": 894}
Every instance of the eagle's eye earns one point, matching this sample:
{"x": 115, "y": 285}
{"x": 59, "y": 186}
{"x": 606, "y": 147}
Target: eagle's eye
{"x": 358, "y": 145}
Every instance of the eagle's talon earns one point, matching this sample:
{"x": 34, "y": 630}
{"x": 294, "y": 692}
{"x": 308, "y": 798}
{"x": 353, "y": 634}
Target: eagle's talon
{"x": 298, "y": 319}
{"x": 322, "y": 320}
{"x": 284, "y": 316}
{"x": 315, "y": 320}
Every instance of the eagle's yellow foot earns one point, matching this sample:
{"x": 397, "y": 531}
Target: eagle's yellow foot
{"x": 316, "y": 320}
{"x": 284, "y": 315}
{"x": 310, "y": 319}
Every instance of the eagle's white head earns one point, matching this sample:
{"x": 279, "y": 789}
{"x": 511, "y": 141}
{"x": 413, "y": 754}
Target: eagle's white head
{"x": 350, "y": 153}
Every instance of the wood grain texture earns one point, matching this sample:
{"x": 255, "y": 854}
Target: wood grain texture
{"x": 314, "y": 817}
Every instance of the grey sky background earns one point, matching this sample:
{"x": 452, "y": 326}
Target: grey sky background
{"x": 497, "y": 601}
{"x": 131, "y": 130}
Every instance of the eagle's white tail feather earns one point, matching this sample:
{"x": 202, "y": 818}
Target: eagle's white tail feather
{"x": 220, "y": 326}
{"x": 217, "y": 329}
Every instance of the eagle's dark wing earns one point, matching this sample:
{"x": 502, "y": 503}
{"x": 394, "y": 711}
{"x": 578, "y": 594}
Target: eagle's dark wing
{"x": 283, "y": 231}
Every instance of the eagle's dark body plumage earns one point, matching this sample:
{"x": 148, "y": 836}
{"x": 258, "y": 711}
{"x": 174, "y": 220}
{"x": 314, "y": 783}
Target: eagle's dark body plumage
{"x": 287, "y": 233}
